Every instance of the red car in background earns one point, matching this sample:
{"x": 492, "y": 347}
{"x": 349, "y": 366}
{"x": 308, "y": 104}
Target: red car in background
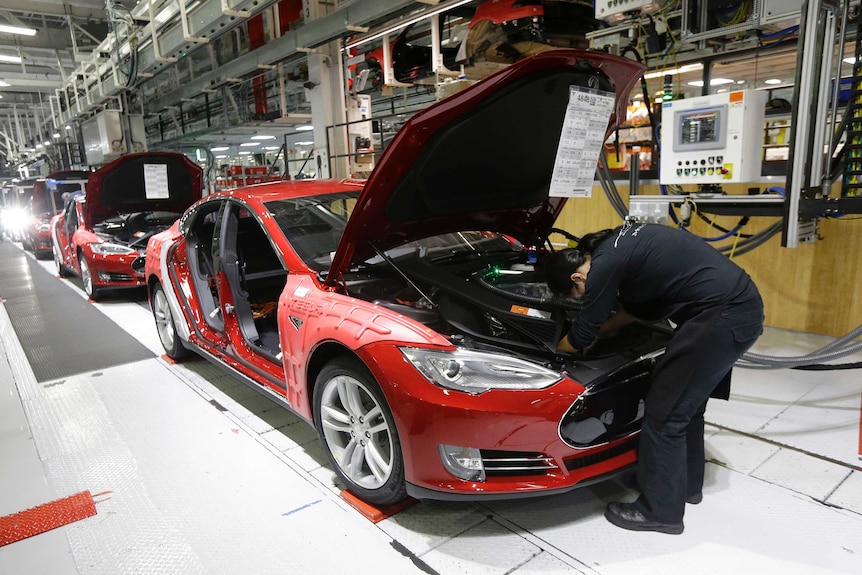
{"x": 102, "y": 235}
{"x": 46, "y": 202}
{"x": 499, "y": 31}
{"x": 505, "y": 31}
{"x": 403, "y": 317}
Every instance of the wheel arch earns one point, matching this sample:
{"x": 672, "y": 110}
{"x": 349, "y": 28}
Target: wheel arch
{"x": 322, "y": 355}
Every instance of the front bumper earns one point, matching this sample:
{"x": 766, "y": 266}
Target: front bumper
{"x": 517, "y": 434}
{"x": 114, "y": 270}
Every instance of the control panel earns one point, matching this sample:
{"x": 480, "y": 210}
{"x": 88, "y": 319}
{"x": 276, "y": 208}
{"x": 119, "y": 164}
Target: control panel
{"x": 713, "y": 139}
{"x": 616, "y": 10}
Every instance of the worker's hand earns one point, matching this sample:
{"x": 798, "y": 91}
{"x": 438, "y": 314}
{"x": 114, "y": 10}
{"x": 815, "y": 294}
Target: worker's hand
{"x": 565, "y": 346}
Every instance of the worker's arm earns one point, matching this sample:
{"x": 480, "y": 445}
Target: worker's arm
{"x": 618, "y": 320}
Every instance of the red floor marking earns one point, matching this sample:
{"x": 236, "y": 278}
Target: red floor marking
{"x": 373, "y": 513}
{"x": 45, "y": 517}
{"x": 173, "y": 361}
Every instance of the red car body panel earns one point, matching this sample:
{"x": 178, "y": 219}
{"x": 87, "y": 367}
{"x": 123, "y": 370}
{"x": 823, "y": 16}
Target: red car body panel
{"x": 500, "y": 11}
{"x": 316, "y": 318}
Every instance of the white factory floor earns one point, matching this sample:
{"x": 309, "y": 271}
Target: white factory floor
{"x": 192, "y": 472}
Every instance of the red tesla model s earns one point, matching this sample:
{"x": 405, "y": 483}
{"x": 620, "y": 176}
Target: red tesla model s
{"x": 45, "y": 203}
{"x": 403, "y": 317}
{"x": 102, "y": 234}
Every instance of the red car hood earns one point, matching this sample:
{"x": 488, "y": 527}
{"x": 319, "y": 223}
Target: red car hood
{"x": 481, "y": 159}
{"x": 144, "y": 181}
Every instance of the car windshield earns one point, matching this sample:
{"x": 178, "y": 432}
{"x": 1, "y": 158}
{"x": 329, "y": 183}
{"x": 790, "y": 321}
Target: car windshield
{"x": 314, "y": 225}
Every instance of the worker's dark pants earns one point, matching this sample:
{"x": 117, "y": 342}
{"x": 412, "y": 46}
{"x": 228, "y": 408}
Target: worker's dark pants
{"x": 671, "y": 455}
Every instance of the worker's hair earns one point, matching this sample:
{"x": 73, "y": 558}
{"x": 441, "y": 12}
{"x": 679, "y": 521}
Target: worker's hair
{"x": 560, "y": 265}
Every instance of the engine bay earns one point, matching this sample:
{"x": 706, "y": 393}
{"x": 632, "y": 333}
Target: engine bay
{"x": 135, "y": 228}
{"x": 494, "y": 297}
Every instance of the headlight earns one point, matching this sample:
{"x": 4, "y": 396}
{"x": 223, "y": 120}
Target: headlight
{"x": 477, "y": 372}
{"x": 108, "y": 249}
{"x": 14, "y": 218}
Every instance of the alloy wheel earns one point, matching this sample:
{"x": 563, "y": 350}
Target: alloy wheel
{"x": 357, "y": 432}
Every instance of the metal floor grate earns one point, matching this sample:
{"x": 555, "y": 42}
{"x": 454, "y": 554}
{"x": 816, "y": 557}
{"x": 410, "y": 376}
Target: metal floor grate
{"x": 62, "y": 334}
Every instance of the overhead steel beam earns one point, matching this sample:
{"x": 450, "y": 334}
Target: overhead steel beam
{"x": 206, "y": 21}
{"x": 293, "y": 43}
{"x": 93, "y": 9}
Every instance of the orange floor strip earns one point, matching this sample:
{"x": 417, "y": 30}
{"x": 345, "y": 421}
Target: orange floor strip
{"x": 45, "y": 517}
{"x": 373, "y": 513}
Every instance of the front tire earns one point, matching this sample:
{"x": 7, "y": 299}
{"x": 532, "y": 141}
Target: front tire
{"x": 165, "y": 325}
{"x": 358, "y": 432}
{"x": 90, "y": 289}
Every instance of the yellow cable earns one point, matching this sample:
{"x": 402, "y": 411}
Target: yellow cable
{"x": 735, "y": 241}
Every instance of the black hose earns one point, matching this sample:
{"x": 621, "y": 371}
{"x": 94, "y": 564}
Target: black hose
{"x": 554, "y": 302}
{"x": 828, "y": 367}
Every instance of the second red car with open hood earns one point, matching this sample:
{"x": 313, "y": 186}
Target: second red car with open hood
{"x": 102, "y": 233}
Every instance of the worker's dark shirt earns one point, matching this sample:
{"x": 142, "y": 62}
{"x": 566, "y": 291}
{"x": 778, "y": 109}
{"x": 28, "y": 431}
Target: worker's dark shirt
{"x": 655, "y": 272}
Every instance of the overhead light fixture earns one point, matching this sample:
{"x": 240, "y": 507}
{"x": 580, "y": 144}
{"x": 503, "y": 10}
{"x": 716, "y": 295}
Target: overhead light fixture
{"x": 272, "y": 147}
{"x": 304, "y": 143}
{"x": 244, "y": 153}
{"x": 220, "y": 149}
{"x": 713, "y": 82}
{"x": 772, "y": 81}
{"x": 221, "y": 157}
{"x": 3, "y": 84}
{"x": 304, "y": 128}
{"x": 409, "y": 22}
{"x": 17, "y": 30}
{"x": 262, "y": 137}
{"x": 680, "y": 70}
{"x": 55, "y": 135}
{"x": 247, "y": 144}
{"x": 10, "y": 59}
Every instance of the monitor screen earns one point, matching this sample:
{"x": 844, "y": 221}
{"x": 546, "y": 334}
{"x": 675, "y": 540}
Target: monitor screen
{"x": 701, "y": 129}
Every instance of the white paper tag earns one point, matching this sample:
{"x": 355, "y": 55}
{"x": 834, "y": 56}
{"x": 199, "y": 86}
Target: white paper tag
{"x": 581, "y": 140}
{"x": 156, "y": 182}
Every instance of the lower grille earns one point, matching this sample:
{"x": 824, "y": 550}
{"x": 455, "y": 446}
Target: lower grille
{"x": 594, "y": 458}
{"x": 120, "y": 277}
{"x": 506, "y": 463}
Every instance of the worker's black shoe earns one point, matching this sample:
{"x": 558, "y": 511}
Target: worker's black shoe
{"x": 694, "y": 499}
{"x": 627, "y": 516}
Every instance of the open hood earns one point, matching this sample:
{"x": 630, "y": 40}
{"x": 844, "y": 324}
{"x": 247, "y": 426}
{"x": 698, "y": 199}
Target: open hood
{"x": 142, "y": 182}
{"x": 481, "y": 159}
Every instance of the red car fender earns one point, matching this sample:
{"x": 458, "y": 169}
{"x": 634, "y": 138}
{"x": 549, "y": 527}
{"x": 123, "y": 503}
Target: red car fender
{"x": 156, "y": 269}
{"x": 309, "y": 317}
